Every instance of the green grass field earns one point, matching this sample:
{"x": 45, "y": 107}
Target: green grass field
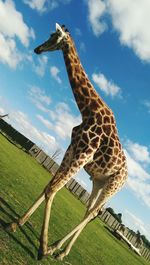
{"x": 21, "y": 181}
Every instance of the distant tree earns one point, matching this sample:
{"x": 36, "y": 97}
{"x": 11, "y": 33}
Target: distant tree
{"x": 139, "y": 241}
{"x": 138, "y": 234}
{"x": 146, "y": 241}
{"x": 110, "y": 210}
{"x": 3, "y": 116}
{"x": 118, "y": 216}
{"x": 122, "y": 228}
{"x": 131, "y": 234}
{"x": 56, "y": 154}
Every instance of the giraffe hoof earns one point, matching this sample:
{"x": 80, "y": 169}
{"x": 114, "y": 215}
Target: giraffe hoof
{"x": 40, "y": 254}
{"x": 12, "y": 227}
{"x": 59, "y": 257}
{"x": 51, "y": 251}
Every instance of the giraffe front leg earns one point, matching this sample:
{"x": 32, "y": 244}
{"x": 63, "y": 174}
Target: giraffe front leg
{"x": 43, "y": 250}
{"x": 54, "y": 247}
{"x": 22, "y": 220}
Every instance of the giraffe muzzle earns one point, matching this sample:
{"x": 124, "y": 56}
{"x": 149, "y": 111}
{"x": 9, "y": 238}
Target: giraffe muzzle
{"x": 38, "y": 50}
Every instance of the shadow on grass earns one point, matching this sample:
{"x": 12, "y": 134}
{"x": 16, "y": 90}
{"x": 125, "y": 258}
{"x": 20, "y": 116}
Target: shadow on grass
{"x": 6, "y": 209}
{"x": 117, "y": 236}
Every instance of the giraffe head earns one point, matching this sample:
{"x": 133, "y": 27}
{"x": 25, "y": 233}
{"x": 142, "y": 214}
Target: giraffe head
{"x": 57, "y": 40}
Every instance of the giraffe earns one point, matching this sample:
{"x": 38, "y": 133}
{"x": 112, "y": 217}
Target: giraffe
{"x": 94, "y": 146}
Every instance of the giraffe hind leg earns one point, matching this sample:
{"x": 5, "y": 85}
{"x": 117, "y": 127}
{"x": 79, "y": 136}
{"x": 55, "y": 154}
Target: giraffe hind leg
{"x": 98, "y": 199}
{"x": 97, "y": 185}
{"x": 73, "y": 235}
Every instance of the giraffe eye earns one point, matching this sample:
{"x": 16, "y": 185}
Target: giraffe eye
{"x": 52, "y": 34}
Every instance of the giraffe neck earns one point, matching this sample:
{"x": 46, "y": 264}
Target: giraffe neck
{"x": 85, "y": 95}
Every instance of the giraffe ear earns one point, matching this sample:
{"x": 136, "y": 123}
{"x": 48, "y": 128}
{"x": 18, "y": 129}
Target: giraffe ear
{"x": 58, "y": 28}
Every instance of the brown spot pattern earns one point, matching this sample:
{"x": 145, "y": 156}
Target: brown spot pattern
{"x": 97, "y": 134}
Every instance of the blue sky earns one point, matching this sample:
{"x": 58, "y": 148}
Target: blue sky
{"x": 113, "y": 42}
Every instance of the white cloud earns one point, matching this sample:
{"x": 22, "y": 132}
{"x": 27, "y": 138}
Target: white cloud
{"x": 55, "y": 74}
{"x": 61, "y": 120}
{"x": 2, "y": 111}
{"x": 9, "y": 53}
{"x": 96, "y": 9}
{"x": 39, "y": 98}
{"x": 78, "y": 32}
{"x": 52, "y": 4}
{"x": 12, "y": 26}
{"x": 23, "y": 124}
{"x": 44, "y": 5}
{"x": 4, "y": 106}
{"x": 46, "y": 122}
{"x": 134, "y": 222}
{"x": 108, "y": 87}
{"x": 39, "y": 5}
{"x": 12, "y": 23}
{"x": 82, "y": 47}
{"x": 135, "y": 169}
{"x": 147, "y": 104}
{"x": 39, "y": 68}
{"x": 141, "y": 189}
{"x": 64, "y": 120}
{"x": 131, "y": 19}
{"x": 138, "y": 180}
{"x": 139, "y": 152}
